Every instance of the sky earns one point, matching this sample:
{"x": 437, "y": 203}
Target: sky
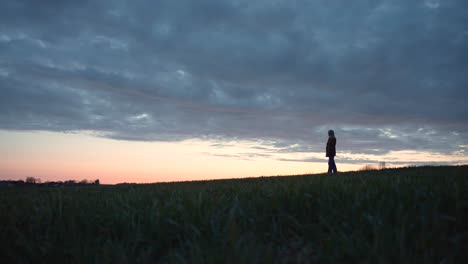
{"x": 148, "y": 91}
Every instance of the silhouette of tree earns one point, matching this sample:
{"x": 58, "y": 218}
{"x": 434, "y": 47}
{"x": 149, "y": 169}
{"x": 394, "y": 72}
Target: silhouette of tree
{"x": 70, "y": 182}
{"x": 33, "y": 180}
{"x": 382, "y": 165}
{"x": 368, "y": 167}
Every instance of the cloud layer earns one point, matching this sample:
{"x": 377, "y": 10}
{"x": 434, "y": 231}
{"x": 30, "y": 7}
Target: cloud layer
{"x": 386, "y": 75}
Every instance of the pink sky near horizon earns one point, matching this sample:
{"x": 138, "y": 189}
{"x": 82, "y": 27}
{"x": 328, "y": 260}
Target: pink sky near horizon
{"x": 54, "y": 156}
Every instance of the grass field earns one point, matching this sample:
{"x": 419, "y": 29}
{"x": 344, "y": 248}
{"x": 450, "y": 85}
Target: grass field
{"x": 410, "y": 215}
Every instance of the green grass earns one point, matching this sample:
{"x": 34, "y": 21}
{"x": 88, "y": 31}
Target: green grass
{"x": 411, "y": 215}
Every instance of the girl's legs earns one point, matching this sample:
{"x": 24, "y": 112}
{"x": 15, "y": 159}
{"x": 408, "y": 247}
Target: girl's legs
{"x": 331, "y": 165}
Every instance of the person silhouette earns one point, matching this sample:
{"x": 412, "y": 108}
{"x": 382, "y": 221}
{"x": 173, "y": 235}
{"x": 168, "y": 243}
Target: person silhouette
{"x": 331, "y": 152}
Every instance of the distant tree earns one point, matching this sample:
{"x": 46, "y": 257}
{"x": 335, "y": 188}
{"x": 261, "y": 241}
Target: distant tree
{"x": 381, "y": 165}
{"x": 32, "y": 180}
{"x": 96, "y": 182}
{"x": 84, "y": 181}
{"x": 368, "y": 167}
{"x": 70, "y": 182}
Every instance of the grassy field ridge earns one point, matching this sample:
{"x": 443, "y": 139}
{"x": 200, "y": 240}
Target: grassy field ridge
{"x": 409, "y": 215}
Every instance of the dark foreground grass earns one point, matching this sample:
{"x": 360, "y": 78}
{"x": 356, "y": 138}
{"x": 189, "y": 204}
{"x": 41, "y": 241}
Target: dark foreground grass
{"x": 411, "y": 215}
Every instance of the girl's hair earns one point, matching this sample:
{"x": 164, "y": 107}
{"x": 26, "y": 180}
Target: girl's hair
{"x": 331, "y": 133}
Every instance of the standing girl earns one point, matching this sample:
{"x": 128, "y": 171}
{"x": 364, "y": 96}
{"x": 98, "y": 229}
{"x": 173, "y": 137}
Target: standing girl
{"x": 331, "y": 151}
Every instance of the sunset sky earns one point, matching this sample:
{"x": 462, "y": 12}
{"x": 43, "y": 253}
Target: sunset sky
{"x": 150, "y": 91}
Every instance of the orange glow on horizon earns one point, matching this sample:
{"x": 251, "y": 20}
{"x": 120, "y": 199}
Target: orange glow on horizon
{"x": 53, "y": 156}
{"x": 59, "y": 156}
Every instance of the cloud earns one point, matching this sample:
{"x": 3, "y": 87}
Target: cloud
{"x": 386, "y": 75}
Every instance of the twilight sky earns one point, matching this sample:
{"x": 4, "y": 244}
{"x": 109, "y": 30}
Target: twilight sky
{"x": 246, "y": 82}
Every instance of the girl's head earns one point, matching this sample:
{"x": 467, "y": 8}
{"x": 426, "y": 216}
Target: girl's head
{"x": 331, "y": 133}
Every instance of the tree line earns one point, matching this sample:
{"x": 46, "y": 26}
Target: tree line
{"x": 32, "y": 181}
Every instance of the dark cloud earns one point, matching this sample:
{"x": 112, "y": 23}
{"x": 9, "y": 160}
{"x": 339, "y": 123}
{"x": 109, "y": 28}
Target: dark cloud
{"x": 387, "y": 75}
